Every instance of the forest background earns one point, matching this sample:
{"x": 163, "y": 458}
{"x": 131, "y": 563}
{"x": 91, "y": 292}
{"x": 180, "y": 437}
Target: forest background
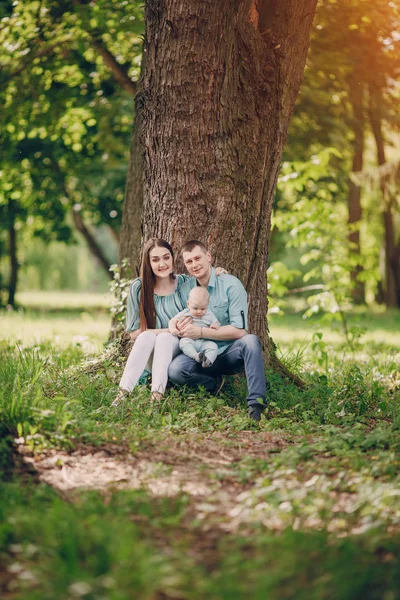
{"x": 68, "y": 84}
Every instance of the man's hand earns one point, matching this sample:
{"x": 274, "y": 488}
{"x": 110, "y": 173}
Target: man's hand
{"x": 181, "y": 324}
{"x": 190, "y": 331}
{"x": 215, "y": 325}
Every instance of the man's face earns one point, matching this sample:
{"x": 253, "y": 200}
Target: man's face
{"x": 197, "y": 262}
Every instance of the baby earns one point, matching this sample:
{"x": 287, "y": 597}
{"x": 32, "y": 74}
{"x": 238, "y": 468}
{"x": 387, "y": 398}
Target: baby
{"x": 201, "y": 350}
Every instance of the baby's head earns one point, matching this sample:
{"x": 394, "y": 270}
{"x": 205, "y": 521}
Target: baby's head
{"x": 198, "y": 301}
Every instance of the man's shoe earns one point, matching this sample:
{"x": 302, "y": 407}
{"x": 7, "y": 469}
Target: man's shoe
{"x": 255, "y": 412}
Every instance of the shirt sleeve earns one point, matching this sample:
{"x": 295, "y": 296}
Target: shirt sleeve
{"x": 185, "y": 284}
{"x": 184, "y": 278}
{"x": 212, "y": 317}
{"x": 238, "y": 309}
{"x": 183, "y": 313}
{"x": 132, "y": 308}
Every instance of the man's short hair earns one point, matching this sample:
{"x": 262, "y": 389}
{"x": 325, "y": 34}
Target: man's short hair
{"x": 189, "y": 246}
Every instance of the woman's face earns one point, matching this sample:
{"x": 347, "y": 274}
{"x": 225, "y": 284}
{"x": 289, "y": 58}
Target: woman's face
{"x": 161, "y": 262}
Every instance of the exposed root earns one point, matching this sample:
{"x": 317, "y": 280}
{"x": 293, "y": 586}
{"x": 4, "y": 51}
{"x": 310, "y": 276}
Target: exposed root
{"x": 279, "y": 367}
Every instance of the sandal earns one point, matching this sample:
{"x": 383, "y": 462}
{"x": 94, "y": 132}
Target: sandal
{"x": 120, "y": 397}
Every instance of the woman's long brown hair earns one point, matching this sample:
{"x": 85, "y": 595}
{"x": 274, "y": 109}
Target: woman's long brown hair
{"x": 147, "y": 309}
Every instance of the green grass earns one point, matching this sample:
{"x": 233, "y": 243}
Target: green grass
{"x": 63, "y": 300}
{"x": 303, "y": 506}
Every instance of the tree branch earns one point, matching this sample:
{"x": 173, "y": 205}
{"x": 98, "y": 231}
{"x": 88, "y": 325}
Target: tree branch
{"x": 119, "y": 72}
{"x": 91, "y": 242}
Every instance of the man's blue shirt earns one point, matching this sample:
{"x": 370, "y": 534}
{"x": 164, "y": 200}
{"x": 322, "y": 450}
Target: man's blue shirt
{"x": 228, "y": 302}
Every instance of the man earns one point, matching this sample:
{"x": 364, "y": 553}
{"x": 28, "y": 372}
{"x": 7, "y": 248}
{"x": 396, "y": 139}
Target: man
{"x": 238, "y": 351}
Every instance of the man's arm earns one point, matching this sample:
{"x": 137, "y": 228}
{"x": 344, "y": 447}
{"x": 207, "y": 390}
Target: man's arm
{"x": 225, "y": 333}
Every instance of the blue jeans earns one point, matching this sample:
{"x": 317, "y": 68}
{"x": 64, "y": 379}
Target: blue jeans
{"x": 242, "y": 355}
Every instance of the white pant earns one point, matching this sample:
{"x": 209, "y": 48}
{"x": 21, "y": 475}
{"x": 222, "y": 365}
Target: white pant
{"x": 154, "y": 352}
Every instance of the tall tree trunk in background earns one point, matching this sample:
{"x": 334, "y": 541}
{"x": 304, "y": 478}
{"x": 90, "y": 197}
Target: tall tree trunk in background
{"x": 131, "y": 230}
{"x": 115, "y": 233}
{"x": 391, "y": 288}
{"x": 219, "y": 87}
{"x": 93, "y": 246}
{"x": 12, "y": 243}
{"x": 356, "y": 94}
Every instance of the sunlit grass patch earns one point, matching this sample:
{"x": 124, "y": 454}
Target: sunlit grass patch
{"x": 59, "y": 300}
{"x": 380, "y": 328}
{"x": 35, "y": 328}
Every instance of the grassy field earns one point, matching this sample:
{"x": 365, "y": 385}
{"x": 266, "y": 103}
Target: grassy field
{"x": 192, "y": 500}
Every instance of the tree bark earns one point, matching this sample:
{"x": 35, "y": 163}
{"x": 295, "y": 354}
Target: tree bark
{"x": 391, "y": 288}
{"x": 12, "y": 242}
{"x": 356, "y": 94}
{"x": 131, "y": 230}
{"x": 219, "y": 87}
{"x": 92, "y": 243}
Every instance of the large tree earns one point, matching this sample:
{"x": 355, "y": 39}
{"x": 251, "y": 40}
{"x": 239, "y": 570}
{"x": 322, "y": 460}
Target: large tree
{"x": 219, "y": 85}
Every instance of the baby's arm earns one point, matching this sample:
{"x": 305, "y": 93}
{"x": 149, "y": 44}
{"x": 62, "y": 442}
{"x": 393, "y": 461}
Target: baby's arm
{"x": 215, "y": 324}
{"x": 172, "y": 326}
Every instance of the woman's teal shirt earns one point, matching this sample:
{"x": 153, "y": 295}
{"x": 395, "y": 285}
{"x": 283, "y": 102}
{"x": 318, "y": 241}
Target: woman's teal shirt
{"x": 166, "y": 306}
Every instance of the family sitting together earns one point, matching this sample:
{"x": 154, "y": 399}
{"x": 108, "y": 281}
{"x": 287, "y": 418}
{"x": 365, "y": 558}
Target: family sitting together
{"x": 190, "y": 329}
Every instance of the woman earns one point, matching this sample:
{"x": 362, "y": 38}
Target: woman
{"x": 153, "y": 300}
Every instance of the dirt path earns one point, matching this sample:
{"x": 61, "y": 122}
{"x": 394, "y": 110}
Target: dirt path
{"x": 205, "y": 467}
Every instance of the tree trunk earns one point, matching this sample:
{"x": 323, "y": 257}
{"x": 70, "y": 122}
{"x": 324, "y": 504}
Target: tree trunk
{"x": 12, "y": 242}
{"x": 391, "y": 289}
{"x": 92, "y": 243}
{"x": 131, "y": 230}
{"x": 115, "y": 233}
{"x": 219, "y": 87}
{"x": 356, "y": 93}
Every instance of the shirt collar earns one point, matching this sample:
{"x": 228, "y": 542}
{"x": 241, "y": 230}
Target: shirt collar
{"x": 213, "y": 279}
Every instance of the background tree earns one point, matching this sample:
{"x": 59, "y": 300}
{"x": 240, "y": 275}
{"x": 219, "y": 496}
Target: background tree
{"x": 67, "y": 91}
{"x": 353, "y": 54}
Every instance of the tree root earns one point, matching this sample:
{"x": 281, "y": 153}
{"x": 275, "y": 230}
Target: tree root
{"x": 279, "y": 367}
{"x": 113, "y": 359}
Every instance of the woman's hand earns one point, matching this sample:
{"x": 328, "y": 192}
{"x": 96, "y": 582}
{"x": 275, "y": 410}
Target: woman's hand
{"x": 220, "y": 271}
